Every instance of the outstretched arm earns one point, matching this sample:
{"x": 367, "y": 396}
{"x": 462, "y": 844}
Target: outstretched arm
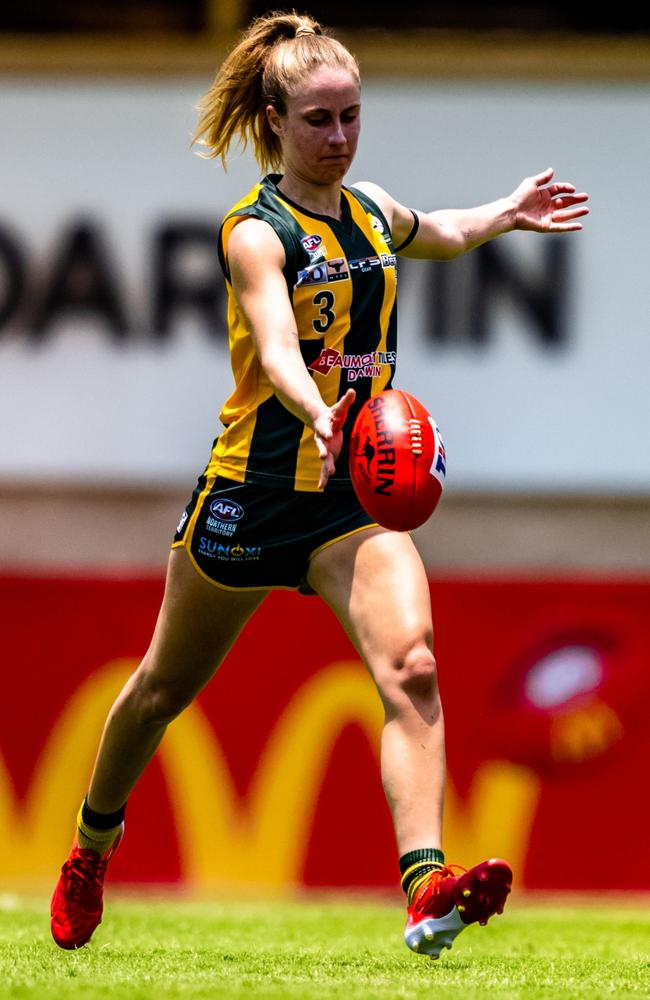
{"x": 256, "y": 258}
{"x": 537, "y": 205}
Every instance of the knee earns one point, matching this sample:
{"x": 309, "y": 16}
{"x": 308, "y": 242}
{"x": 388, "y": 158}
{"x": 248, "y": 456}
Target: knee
{"x": 156, "y": 702}
{"x": 414, "y": 676}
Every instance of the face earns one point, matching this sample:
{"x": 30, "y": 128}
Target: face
{"x": 320, "y": 130}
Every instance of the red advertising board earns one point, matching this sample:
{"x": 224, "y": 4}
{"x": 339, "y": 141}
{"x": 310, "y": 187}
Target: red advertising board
{"x": 272, "y": 776}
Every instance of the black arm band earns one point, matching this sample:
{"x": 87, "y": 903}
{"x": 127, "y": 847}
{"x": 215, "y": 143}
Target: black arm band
{"x": 411, "y": 236}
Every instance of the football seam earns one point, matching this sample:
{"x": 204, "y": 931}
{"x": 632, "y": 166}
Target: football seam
{"x": 411, "y": 508}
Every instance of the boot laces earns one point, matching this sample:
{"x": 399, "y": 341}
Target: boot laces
{"x": 84, "y": 874}
{"x": 434, "y": 885}
{"x": 450, "y": 871}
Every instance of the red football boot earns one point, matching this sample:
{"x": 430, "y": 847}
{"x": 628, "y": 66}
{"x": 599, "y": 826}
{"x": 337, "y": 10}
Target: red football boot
{"x": 77, "y": 902}
{"x": 446, "y": 903}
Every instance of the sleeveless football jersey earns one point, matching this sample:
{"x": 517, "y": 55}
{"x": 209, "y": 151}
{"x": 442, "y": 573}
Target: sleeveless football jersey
{"x": 341, "y": 280}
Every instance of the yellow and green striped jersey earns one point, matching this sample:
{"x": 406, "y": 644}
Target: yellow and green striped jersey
{"x": 341, "y": 280}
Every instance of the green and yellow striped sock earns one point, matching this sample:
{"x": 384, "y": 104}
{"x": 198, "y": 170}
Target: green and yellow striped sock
{"x": 416, "y": 866}
{"x": 97, "y": 831}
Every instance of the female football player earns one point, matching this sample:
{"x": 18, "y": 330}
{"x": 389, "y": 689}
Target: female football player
{"x": 310, "y": 271}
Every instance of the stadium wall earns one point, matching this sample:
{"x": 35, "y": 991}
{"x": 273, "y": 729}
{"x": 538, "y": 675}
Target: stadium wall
{"x": 269, "y": 778}
{"x": 530, "y": 352}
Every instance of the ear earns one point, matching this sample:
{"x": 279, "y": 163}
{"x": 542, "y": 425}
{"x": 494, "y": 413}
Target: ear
{"x": 274, "y": 120}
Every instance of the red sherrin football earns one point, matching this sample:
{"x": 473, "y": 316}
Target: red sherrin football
{"x": 397, "y": 460}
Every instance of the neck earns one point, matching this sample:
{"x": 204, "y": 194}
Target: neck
{"x": 321, "y": 199}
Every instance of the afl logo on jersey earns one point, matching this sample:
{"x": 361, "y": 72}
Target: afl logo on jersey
{"x": 311, "y": 243}
{"x": 226, "y": 510}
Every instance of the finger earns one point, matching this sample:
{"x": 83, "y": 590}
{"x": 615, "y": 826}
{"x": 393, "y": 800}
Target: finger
{"x": 544, "y": 177}
{"x": 345, "y": 402}
{"x": 340, "y": 409}
{"x": 558, "y": 188}
{"x": 564, "y": 227}
{"x": 322, "y": 479}
{"x": 323, "y": 427}
{"x": 326, "y": 470}
{"x": 571, "y": 199}
{"x": 565, "y": 214}
{"x": 322, "y": 447}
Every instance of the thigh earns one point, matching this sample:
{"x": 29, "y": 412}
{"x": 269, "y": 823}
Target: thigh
{"x": 197, "y": 625}
{"x": 376, "y": 585}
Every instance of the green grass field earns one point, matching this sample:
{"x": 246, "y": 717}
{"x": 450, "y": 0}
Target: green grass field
{"x": 175, "y": 948}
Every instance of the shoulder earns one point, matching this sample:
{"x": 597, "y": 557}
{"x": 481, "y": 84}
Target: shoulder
{"x": 253, "y": 235}
{"x": 255, "y": 230}
{"x": 262, "y": 206}
{"x": 376, "y": 194}
{"x": 403, "y": 222}
{"x": 254, "y": 243}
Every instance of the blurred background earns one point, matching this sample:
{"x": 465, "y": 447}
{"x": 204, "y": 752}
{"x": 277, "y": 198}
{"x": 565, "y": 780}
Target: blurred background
{"x": 532, "y": 353}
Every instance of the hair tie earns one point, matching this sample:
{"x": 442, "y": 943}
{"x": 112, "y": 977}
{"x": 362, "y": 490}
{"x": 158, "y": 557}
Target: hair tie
{"x": 304, "y": 31}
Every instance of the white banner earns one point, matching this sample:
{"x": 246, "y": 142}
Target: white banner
{"x": 533, "y": 354}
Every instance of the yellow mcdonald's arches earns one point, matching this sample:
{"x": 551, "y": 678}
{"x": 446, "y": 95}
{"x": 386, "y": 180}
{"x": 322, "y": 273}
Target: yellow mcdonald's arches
{"x": 35, "y": 840}
{"x": 263, "y": 840}
{"x": 497, "y": 817}
{"x": 265, "y": 843}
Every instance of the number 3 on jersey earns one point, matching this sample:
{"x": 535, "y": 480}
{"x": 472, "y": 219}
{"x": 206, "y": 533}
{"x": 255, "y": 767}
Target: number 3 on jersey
{"x": 324, "y": 301}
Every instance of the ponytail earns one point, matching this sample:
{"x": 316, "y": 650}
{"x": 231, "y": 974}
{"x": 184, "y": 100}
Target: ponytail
{"x": 276, "y": 52}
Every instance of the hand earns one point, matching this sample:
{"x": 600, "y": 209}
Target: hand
{"x": 328, "y": 434}
{"x": 547, "y": 209}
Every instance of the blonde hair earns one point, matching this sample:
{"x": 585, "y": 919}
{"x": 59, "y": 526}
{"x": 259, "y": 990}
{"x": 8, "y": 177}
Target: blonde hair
{"x": 276, "y": 52}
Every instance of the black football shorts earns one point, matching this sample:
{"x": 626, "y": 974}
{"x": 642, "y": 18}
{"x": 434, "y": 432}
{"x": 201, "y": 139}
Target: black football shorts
{"x": 243, "y": 536}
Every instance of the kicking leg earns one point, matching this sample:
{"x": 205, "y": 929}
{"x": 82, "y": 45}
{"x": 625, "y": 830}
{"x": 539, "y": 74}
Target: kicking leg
{"x": 375, "y": 583}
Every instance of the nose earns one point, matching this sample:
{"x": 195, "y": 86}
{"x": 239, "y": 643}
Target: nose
{"x": 337, "y": 135}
